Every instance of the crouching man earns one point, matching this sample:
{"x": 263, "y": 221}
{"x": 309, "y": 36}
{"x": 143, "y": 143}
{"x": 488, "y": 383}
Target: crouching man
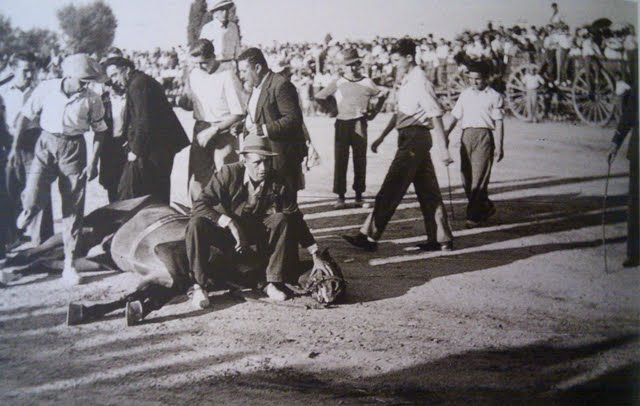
{"x": 243, "y": 207}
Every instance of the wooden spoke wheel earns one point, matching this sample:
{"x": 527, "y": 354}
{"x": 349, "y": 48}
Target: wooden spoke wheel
{"x": 593, "y": 96}
{"x": 516, "y": 93}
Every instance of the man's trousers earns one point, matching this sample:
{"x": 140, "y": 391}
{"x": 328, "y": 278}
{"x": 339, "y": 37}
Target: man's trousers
{"x": 41, "y": 228}
{"x": 350, "y": 134}
{"x": 210, "y": 248}
{"x": 411, "y": 165}
{"x": 64, "y": 158}
{"x": 476, "y": 159}
{"x": 633, "y": 220}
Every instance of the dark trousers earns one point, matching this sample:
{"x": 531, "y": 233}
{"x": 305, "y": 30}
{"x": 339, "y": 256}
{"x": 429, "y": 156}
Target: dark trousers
{"x": 350, "y": 134}
{"x": 147, "y": 176}
{"x": 210, "y": 248}
{"x": 113, "y": 159}
{"x": 476, "y": 159}
{"x": 411, "y": 165}
{"x": 633, "y": 220}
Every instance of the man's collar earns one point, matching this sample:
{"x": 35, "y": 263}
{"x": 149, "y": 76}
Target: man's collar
{"x": 248, "y": 179}
{"x": 263, "y": 80}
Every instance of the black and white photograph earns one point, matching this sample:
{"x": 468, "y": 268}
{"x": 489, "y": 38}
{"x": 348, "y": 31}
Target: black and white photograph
{"x": 331, "y": 202}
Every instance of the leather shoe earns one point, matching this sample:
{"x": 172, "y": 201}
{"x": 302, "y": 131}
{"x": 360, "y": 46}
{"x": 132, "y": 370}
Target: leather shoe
{"x": 631, "y": 262}
{"x": 133, "y": 313}
{"x": 361, "y": 241}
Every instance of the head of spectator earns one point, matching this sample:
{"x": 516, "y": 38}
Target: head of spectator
{"x": 352, "y": 63}
{"x": 252, "y": 66}
{"x": 119, "y": 70}
{"x": 203, "y": 54}
{"x": 79, "y": 70}
{"x": 256, "y": 154}
{"x": 403, "y": 56}
{"x": 478, "y": 75}
{"x": 220, "y": 10}
{"x": 22, "y": 66}
{"x": 554, "y": 7}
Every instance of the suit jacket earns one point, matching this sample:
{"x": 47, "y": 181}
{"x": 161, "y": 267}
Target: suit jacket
{"x": 279, "y": 109}
{"x": 226, "y": 194}
{"x": 151, "y": 127}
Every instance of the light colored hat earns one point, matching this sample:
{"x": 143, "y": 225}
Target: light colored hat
{"x": 253, "y": 144}
{"x": 83, "y": 67}
{"x": 213, "y": 5}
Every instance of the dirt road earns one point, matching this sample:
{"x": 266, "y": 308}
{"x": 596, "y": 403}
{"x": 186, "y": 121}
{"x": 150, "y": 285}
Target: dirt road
{"x": 520, "y": 312}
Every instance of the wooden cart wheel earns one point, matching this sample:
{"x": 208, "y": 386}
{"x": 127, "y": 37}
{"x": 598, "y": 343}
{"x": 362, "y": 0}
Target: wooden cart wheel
{"x": 516, "y": 93}
{"x": 593, "y": 96}
{"x": 456, "y": 83}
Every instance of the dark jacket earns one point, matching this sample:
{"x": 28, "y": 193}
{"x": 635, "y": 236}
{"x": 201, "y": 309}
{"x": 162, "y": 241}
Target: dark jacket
{"x": 226, "y": 194}
{"x": 150, "y": 125}
{"x": 279, "y": 109}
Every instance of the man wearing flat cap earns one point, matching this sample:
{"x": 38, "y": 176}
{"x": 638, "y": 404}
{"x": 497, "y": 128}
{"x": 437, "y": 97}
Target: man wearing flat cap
{"x": 67, "y": 110}
{"x": 223, "y": 32}
{"x": 243, "y": 205}
{"x": 153, "y": 132}
{"x": 353, "y": 93}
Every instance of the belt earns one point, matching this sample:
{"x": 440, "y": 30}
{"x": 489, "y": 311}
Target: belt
{"x": 65, "y": 136}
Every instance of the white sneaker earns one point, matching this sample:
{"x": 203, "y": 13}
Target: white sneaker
{"x": 199, "y": 298}
{"x": 275, "y": 293}
{"x": 70, "y": 276}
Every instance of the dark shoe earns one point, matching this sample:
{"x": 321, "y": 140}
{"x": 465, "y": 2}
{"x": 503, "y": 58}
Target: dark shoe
{"x": 631, "y": 262}
{"x": 435, "y": 246}
{"x": 361, "y": 241}
{"x": 76, "y": 314}
{"x": 489, "y": 213}
{"x": 133, "y": 313}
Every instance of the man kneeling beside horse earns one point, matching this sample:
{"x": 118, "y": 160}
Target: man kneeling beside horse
{"x": 240, "y": 218}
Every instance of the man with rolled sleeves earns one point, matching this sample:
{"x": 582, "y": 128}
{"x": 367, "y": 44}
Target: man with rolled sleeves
{"x": 217, "y": 99}
{"x": 67, "y": 110}
{"x": 245, "y": 204}
{"x": 14, "y": 95}
{"x": 479, "y": 109}
{"x": 417, "y": 119}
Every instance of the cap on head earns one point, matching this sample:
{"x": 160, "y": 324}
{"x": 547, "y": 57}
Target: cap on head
{"x": 254, "y": 144}
{"x": 213, "y": 5}
{"x": 350, "y": 57}
{"x": 83, "y": 67}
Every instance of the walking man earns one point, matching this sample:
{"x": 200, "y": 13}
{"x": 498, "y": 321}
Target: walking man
{"x": 154, "y": 134}
{"x": 15, "y": 94}
{"x": 217, "y": 105}
{"x": 418, "y": 117}
{"x": 352, "y": 92}
{"x": 479, "y": 108}
{"x": 67, "y": 109}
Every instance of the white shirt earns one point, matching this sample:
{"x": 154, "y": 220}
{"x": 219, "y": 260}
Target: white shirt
{"x": 14, "y": 99}
{"x": 352, "y": 96}
{"x": 417, "y": 102}
{"x": 60, "y": 114}
{"x": 532, "y": 82}
{"x": 442, "y": 51}
{"x": 478, "y": 108}
{"x": 216, "y": 95}
{"x": 226, "y": 40}
{"x": 252, "y": 107}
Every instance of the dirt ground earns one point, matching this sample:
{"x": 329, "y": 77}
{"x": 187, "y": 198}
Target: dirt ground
{"x": 520, "y": 312}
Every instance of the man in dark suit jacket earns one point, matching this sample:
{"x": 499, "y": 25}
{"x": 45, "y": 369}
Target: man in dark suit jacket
{"x": 273, "y": 111}
{"x": 154, "y": 134}
{"x": 244, "y": 204}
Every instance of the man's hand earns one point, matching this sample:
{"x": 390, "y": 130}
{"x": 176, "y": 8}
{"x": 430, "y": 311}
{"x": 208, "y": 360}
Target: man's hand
{"x": 613, "y": 151}
{"x": 205, "y": 136}
{"x": 375, "y": 144}
{"x": 239, "y": 235}
{"x": 131, "y": 156}
{"x": 90, "y": 172}
{"x": 499, "y": 153}
{"x": 12, "y": 159}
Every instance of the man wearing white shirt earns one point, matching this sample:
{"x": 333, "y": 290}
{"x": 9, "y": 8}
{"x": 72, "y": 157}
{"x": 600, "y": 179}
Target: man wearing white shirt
{"x": 217, "y": 105}
{"x": 442, "y": 53}
{"x": 418, "y": 118}
{"x": 223, "y": 33}
{"x": 479, "y": 109}
{"x": 14, "y": 95}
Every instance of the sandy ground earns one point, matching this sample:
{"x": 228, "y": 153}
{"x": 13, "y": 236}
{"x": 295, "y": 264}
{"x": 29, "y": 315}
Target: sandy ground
{"x": 520, "y": 312}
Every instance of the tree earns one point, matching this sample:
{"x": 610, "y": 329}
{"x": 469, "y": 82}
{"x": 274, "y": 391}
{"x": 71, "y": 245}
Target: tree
{"x": 37, "y": 40}
{"x": 89, "y": 28}
{"x": 7, "y": 36}
{"x": 198, "y": 16}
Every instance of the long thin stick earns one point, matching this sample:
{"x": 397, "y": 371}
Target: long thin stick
{"x": 453, "y": 216}
{"x": 604, "y": 213}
